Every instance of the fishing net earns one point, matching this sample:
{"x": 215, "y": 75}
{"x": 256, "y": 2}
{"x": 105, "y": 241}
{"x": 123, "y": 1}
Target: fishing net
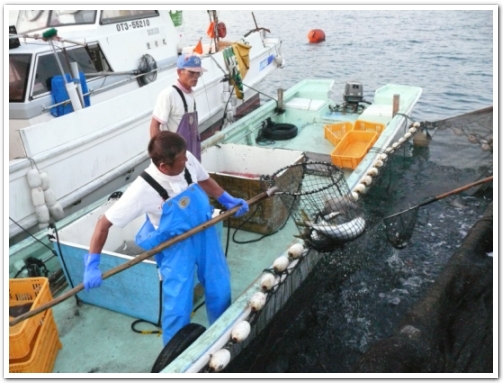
{"x": 320, "y": 203}
{"x": 399, "y": 227}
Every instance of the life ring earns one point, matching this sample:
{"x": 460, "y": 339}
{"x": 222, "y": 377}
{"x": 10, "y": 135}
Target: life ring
{"x": 279, "y": 132}
{"x": 178, "y": 344}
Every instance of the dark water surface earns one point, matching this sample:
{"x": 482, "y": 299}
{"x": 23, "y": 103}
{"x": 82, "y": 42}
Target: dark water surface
{"x": 358, "y": 294}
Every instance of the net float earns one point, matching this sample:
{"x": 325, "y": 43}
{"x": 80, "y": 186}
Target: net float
{"x": 295, "y": 251}
{"x": 240, "y": 331}
{"x": 219, "y": 360}
{"x": 257, "y": 301}
{"x": 267, "y": 281}
{"x": 280, "y": 264}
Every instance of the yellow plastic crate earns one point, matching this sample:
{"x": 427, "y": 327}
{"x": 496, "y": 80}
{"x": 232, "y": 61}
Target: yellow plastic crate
{"x": 335, "y": 132}
{"x": 44, "y": 349}
{"x": 25, "y": 291}
{"x": 352, "y": 148}
{"x": 369, "y": 126}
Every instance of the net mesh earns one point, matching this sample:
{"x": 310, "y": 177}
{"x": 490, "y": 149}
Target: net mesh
{"x": 320, "y": 203}
{"x": 399, "y": 227}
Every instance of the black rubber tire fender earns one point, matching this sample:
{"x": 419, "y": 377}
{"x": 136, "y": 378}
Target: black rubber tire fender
{"x": 280, "y": 131}
{"x": 178, "y": 344}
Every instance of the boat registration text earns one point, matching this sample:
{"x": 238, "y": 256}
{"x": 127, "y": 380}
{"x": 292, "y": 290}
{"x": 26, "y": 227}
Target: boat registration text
{"x": 132, "y": 24}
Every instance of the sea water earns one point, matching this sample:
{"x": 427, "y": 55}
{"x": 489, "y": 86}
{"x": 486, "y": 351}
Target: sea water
{"x": 358, "y": 294}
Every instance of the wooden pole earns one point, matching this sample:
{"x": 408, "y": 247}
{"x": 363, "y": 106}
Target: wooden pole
{"x": 142, "y": 257}
{"x": 396, "y": 104}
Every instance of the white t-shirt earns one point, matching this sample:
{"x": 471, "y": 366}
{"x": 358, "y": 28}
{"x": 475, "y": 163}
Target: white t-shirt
{"x": 140, "y": 198}
{"x": 169, "y": 108}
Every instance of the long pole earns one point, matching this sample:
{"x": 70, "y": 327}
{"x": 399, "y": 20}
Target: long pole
{"x": 142, "y": 257}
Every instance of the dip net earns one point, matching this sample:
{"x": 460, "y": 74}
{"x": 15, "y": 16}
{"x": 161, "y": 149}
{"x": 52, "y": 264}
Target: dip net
{"x": 319, "y": 201}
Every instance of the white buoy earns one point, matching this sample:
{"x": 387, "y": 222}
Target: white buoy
{"x": 373, "y": 172}
{"x": 382, "y": 156}
{"x": 389, "y": 150}
{"x": 37, "y": 197}
{"x": 360, "y": 188}
{"x": 280, "y": 61}
{"x": 240, "y": 331}
{"x": 50, "y": 197}
{"x": 367, "y": 180}
{"x": 34, "y": 179}
{"x": 401, "y": 140}
{"x": 219, "y": 360}
{"x": 280, "y": 264}
{"x": 413, "y": 130}
{"x": 45, "y": 181}
{"x": 267, "y": 281}
{"x": 42, "y": 214}
{"x": 355, "y": 195}
{"x": 407, "y": 135}
{"x": 57, "y": 211}
{"x": 395, "y": 145}
{"x": 378, "y": 164}
{"x": 416, "y": 124}
{"x": 42, "y": 226}
{"x": 296, "y": 250}
{"x": 257, "y": 301}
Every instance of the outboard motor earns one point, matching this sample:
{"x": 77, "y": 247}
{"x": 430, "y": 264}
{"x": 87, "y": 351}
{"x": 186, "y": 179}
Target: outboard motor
{"x": 353, "y": 92}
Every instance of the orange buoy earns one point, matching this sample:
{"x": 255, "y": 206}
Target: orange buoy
{"x": 316, "y": 36}
{"x": 221, "y": 30}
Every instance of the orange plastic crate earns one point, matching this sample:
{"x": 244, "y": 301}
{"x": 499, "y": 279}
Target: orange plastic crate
{"x": 44, "y": 349}
{"x": 369, "y": 126}
{"x": 335, "y": 132}
{"x": 352, "y": 148}
{"x": 21, "y": 291}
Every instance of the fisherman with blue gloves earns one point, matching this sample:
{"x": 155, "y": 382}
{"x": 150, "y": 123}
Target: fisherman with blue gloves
{"x": 173, "y": 194}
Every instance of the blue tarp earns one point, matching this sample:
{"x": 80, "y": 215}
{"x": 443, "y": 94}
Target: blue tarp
{"x": 59, "y": 94}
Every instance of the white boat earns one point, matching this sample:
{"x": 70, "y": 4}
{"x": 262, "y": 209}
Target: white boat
{"x": 303, "y": 126}
{"x": 96, "y": 143}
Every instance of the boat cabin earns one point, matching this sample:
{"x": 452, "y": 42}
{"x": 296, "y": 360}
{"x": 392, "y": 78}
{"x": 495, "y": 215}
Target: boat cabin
{"x": 95, "y": 40}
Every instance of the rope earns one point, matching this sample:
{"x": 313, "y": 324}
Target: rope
{"x": 158, "y": 324}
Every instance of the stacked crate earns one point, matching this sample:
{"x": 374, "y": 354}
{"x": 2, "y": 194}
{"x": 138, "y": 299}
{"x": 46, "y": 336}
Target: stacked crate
{"x": 34, "y": 342}
{"x": 352, "y": 142}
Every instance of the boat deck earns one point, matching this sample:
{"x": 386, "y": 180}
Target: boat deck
{"x": 99, "y": 340}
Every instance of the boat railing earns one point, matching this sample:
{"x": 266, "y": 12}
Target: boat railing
{"x": 107, "y": 87}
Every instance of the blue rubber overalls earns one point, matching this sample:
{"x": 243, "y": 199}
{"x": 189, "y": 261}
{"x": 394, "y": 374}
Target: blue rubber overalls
{"x": 177, "y": 263}
{"x": 188, "y": 128}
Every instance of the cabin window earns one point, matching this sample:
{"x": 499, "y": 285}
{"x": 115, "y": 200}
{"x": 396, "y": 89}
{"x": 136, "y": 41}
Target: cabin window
{"x": 33, "y": 20}
{"x": 110, "y": 16}
{"x": 19, "y": 68}
{"x": 47, "y": 67}
{"x": 60, "y": 18}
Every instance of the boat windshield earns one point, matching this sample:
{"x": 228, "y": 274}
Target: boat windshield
{"x": 19, "y": 66}
{"x": 32, "y": 20}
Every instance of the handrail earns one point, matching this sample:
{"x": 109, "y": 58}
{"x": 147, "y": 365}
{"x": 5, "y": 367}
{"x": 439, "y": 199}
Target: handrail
{"x": 102, "y": 89}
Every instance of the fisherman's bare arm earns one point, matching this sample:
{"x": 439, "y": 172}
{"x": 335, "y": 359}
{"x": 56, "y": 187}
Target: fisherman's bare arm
{"x": 211, "y": 187}
{"x": 100, "y": 235}
{"x": 155, "y": 127}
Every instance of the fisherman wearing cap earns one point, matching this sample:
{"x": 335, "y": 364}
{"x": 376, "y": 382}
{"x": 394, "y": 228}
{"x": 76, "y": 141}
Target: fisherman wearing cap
{"x": 175, "y": 109}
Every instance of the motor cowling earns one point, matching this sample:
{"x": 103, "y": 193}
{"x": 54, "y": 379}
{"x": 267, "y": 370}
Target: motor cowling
{"x": 353, "y": 92}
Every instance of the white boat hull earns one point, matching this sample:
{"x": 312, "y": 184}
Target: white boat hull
{"x": 105, "y": 144}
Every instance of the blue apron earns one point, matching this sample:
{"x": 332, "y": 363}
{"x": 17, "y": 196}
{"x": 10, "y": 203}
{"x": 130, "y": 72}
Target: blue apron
{"x": 177, "y": 263}
{"x": 188, "y": 128}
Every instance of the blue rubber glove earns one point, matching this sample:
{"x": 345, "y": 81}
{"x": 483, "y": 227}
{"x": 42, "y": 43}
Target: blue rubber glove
{"x": 92, "y": 273}
{"x": 229, "y": 202}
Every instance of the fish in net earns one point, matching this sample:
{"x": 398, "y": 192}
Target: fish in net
{"x": 320, "y": 203}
